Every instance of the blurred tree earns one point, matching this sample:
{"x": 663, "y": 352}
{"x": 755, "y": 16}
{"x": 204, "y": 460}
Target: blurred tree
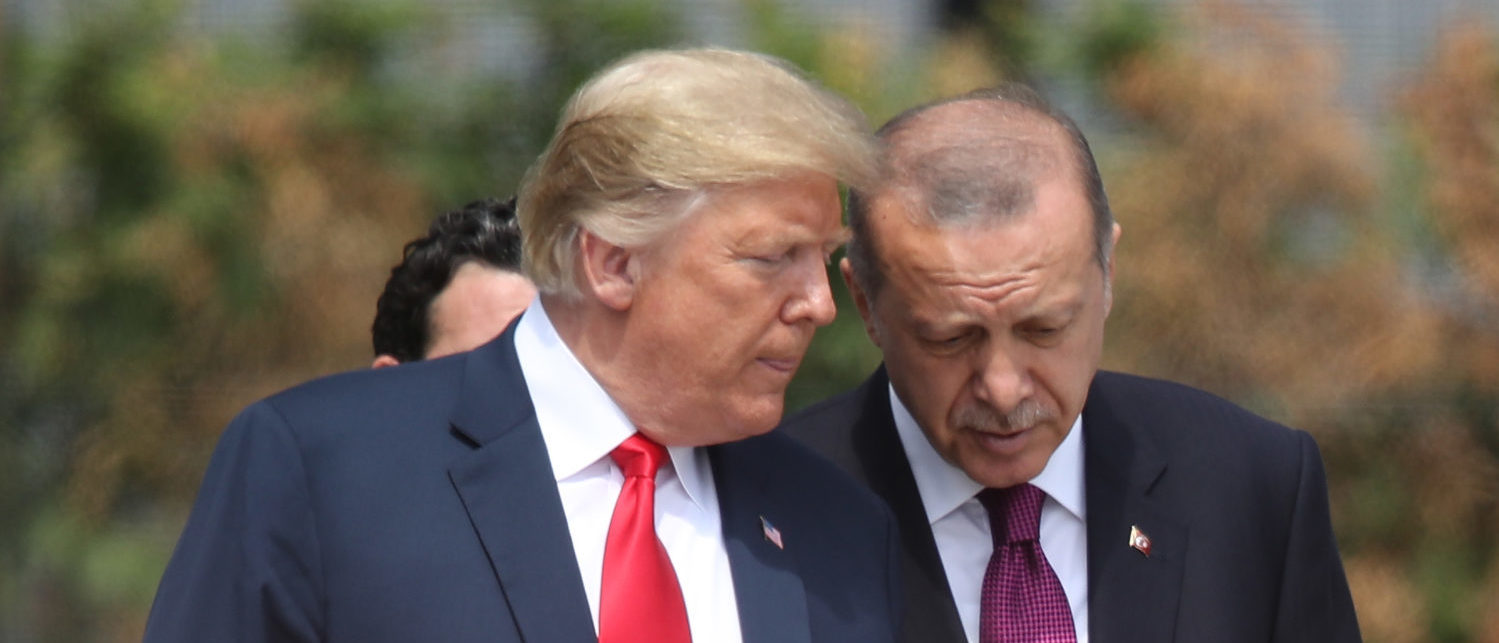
{"x": 1006, "y": 28}
{"x": 1247, "y": 216}
{"x": 1116, "y": 33}
{"x": 190, "y": 224}
{"x": 204, "y": 232}
{"x": 1453, "y": 113}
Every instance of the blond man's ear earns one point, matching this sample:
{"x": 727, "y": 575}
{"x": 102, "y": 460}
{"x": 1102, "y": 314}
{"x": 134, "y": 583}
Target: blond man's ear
{"x": 609, "y": 271}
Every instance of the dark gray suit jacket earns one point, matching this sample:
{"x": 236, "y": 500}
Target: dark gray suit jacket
{"x": 1235, "y": 506}
{"x": 418, "y": 504}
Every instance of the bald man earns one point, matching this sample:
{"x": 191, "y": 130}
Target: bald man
{"x": 1039, "y": 498}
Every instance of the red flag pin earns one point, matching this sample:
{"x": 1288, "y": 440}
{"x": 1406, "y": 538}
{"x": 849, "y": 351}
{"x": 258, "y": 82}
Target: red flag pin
{"x": 1139, "y": 541}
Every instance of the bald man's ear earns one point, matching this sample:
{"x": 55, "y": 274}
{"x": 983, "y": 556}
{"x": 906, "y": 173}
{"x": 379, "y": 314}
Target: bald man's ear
{"x": 1108, "y": 286}
{"x": 610, "y": 272}
{"x": 861, "y": 301}
{"x": 383, "y": 360}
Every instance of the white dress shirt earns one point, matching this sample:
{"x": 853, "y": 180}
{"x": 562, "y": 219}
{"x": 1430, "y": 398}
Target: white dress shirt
{"x": 960, "y": 525}
{"x": 581, "y": 425}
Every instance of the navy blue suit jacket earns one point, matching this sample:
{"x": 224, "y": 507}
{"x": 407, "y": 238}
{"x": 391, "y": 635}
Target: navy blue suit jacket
{"x": 1235, "y": 506}
{"x": 418, "y": 504}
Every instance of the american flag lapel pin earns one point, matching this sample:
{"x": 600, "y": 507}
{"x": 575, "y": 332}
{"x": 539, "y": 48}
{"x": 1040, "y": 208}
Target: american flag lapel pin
{"x": 771, "y": 533}
{"x": 1139, "y": 541}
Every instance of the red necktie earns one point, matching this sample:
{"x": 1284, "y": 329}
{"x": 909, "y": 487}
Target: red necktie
{"x": 1023, "y": 601}
{"x": 640, "y": 601}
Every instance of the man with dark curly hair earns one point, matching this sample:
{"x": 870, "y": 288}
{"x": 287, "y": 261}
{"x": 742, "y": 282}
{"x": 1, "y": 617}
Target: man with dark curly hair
{"x": 455, "y": 288}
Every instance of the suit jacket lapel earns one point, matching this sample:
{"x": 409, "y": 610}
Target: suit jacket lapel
{"x": 1130, "y": 594}
{"x": 931, "y": 614}
{"x": 508, "y": 488}
{"x": 772, "y": 600}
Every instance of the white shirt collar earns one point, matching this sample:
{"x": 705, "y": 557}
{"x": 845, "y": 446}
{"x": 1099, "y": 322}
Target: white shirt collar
{"x": 579, "y": 422}
{"x": 944, "y": 487}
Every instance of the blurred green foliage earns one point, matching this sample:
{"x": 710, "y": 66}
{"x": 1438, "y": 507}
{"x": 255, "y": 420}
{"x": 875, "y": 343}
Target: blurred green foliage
{"x": 189, "y": 221}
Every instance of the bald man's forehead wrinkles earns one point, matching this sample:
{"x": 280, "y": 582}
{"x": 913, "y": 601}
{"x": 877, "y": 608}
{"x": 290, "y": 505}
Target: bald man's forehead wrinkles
{"x": 965, "y": 298}
{"x": 997, "y": 290}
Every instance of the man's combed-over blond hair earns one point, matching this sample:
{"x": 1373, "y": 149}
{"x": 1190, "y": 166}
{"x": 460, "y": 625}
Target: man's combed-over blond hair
{"x": 654, "y": 131}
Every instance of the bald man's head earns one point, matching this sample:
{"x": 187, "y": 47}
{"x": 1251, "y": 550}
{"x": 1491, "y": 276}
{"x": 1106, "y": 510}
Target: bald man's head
{"x": 973, "y": 159}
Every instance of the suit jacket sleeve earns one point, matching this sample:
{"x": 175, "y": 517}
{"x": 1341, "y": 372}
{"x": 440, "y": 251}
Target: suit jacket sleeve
{"x": 1315, "y": 603}
{"x": 247, "y": 566}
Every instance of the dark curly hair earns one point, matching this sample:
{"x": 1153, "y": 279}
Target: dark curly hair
{"x": 483, "y": 230}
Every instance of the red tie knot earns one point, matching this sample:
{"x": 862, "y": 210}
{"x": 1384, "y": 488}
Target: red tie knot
{"x": 639, "y": 457}
{"x": 1014, "y": 512}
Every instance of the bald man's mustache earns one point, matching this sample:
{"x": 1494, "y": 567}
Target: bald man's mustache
{"x": 979, "y": 416}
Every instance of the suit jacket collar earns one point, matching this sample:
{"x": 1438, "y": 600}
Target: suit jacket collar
{"x": 930, "y": 612}
{"x": 506, "y": 485}
{"x": 1129, "y": 592}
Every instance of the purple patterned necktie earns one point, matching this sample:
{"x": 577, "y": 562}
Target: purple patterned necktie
{"x": 1023, "y": 601}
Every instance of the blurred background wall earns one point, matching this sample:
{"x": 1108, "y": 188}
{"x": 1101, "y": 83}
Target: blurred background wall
{"x": 200, "y": 200}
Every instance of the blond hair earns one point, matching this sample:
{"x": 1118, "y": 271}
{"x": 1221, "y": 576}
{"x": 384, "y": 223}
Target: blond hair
{"x": 649, "y": 135}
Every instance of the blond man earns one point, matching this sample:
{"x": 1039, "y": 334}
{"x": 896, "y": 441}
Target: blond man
{"x": 603, "y": 469}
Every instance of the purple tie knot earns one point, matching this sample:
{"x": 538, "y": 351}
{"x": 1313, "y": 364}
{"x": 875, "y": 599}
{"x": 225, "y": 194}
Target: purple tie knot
{"x": 1014, "y": 513}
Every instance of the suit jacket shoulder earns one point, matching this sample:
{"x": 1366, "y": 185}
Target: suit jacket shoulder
{"x": 1176, "y": 412}
{"x": 386, "y": 505}
{"x": 1235, "y": 506}
{"x": 347, "y": 410}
